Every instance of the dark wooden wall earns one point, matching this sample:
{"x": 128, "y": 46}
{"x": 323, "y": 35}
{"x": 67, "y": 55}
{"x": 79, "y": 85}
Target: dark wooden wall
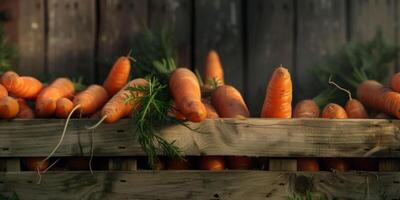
{"x": 81, "y": 38}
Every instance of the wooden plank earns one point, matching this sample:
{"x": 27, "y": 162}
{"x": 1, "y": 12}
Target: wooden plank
{"x": 120, "y": 22}
{"x": 218, "y": 25}
{"x": 270, "y": 38}
{"x": 71, "y": 38}
{"x": 175, "y": 15}
{"x": 200, "y": 185}
{"x": 31, "y": 39}
{"x": 321, "y": 31}
{"x": 250, "y": 137}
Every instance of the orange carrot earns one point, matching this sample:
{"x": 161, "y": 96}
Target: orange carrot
{"x": 378, "y": 97}
{"x": 63, "y": 107}
{"x": 334, "y": 111}
{"x": 176, "y": 113}
{"x": 185, "y": 90}
{"x": 21, "y": 86}
{"x": 3, "y": 91}
{"x": 25, "y": 112}
{"x": 47, "y": 98}
{"x": 118, "y": 76}
{"x": 306, "y": 109}
{"x": 229, "y": 102}
{"x": 278, "y": 99}
{"x": 213, "y": 69}
{"x": 395, "y": 82}
{"x": 353, "y": 107}
{"x": 9, "y": 107}
{"x": 211, "y": 112}
{"x": 91, "y": 99}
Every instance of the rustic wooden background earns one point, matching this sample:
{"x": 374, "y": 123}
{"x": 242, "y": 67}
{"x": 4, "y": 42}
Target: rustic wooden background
{"x": 78, "y": 38}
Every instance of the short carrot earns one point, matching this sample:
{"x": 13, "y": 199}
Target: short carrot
{"x": 3, "y": 91}
{"x": 25, "y": 112}
{"x": 306, "y": 109}
{"x": 118, "y": 76}
{"x": 278, "y": 98}
{"x": 213, "y": 70}
{"x": 229, "y": 103}
{"x": 9, "y": 108}
{"x": 334, "y": 111}
{"x": 185, "y": 90}
{"x": 63, "y": 107}
{"x": 21, "y": 86}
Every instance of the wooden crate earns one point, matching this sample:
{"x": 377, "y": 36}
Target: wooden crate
{"x": 273, "y": 138}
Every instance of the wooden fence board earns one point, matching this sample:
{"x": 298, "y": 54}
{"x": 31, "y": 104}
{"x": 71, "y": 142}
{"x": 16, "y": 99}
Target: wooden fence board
{"x": 321, "y": 30}
{"x": 218, "y": 25}
{"x": 31, "y": 38}
{"x": 270, "y": 36}
{"x": 177, "y": 16}
{"x": 200, "y": 185}
{"x": 251, "y": 137}
{"x": 71, "y": 38}
{"x": 120, "y": 22}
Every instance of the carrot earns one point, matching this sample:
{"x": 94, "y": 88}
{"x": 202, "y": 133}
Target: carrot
{"x": 229, "y": 102}
{"x": 63, "y": 107}
{"x": 213, "y": 69}
{"x": 9, "y": 107}
{"x": 395, "y": 82}
{"x": 25, "y": 112}
{"x": 306, "y": 109}
{"x": 118, "y": 76}
{"x": 21, "y": 86}
{"x": 3, "y": 91}
{"x": 353, "y": 107}
{"x": 378, "y": 97}
{"x": 176, "y": 113}
{"x": 211, "y": 112}
{"x": 47, "y": 98}
{"x": 185, "y": 90}
{"x": 334, "y": 111}
{"x": 278, "y": 98}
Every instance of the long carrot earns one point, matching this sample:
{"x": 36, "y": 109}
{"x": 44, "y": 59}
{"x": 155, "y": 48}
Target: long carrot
{"x": 213, "y": 69}
{"x": 353, "y": 107}
{"x": 25, "y": 112}
{"x": 63, "y": 107}
{"x": 47, "y": 98}
{"x": 278, "y": 99}
{"x": 9, "y": 107}
{"x": 21, "y": 86}
{"x": 306, "y": 109}
{"x": 118, "y": 76}
{"x": 185, "y": 90}
{"x": 3, "y": 91}
{"x": 334, "y": 111}
{"x": 229, "y": 102}
{"x": 376, "y": 96}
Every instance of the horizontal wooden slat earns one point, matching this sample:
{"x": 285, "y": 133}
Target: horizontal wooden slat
{"x": 251, "y": 137}
{"x": 200, "y": 185}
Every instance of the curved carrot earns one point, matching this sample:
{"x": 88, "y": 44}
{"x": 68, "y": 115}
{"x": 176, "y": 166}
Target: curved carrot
{"x": 91, "y": 99}
{"x": 47, "y": 98}
{"x": 185, "y": 90}
{"x": 25, "y": 112}
{"x": 213, "y": 69}
{"x": 334, "y": 111}
{"x": 278, "y": 99}
{"x": 21, "y": 86}
{"x": 229, "y": 102}
{"x": 9, "y": 107}
{"x": 3, "y": 91}
{"x": 395, "y": 82}
{"x": 306, "y": 109}
{"x": 118, "y": 76}
{"x": 63, "y": 107}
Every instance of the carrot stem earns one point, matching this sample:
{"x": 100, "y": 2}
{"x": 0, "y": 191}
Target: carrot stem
{"x": 340, "y": 88}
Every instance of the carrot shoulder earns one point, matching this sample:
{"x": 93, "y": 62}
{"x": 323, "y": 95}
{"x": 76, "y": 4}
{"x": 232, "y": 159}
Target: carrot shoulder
{"x": 3, "y": 91}
{"x": 9, "y": 107}
{"x": 118, "y": 76}
{"x": 306, "y": 109}
{"x": 213, "y": 69}
{"x": 229, "y": 102}
{"x": 334, "y": 111}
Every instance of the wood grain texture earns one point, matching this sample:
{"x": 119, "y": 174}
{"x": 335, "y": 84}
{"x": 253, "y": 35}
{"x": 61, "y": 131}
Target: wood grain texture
{"x": 31, "y": 38}
{"x": 176, "y": 16}
{"x": 321, "y": 31}
{"x": 120, "y": 23}
{"x": 270, "y": 37}
{"x": 200, "y": 185}
{"x": 71, "y": 38}
{"x": 218, "y": 25}
{"x": 250, "y": 137}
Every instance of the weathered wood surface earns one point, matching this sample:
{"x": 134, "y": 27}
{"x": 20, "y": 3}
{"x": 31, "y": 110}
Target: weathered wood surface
{"x": 270, "y": 39}
{"x": 251, "y": 137}
{"x": 200, "y": 185}
{"x": 71, "y": 41}
{"x": 218, "y": 25}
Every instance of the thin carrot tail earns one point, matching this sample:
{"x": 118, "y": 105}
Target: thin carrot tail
{"x": 97, "y": 124}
